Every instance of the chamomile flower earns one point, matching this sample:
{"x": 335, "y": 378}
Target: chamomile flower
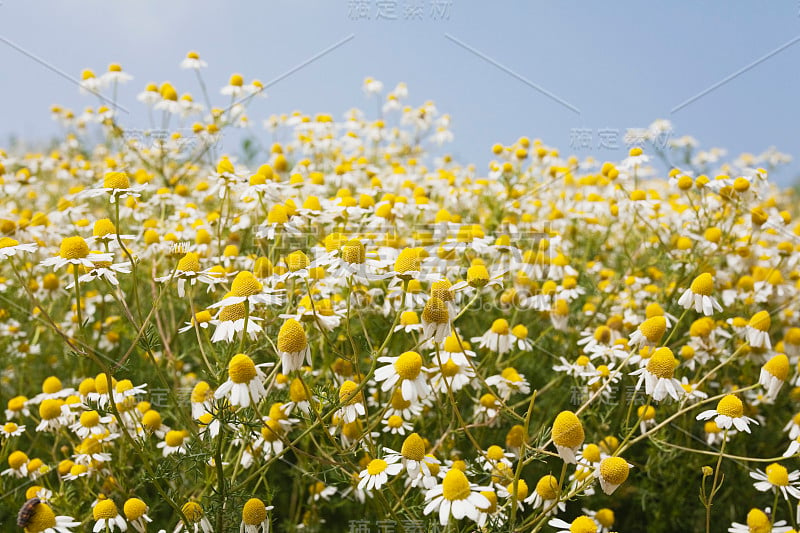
{"x": 196, "y": 519}
{"x": 255, "y": 517}
{"x": 698, "y": 296}
{"x": 193, "y": 61}
{"x": 407, "y": 371}
{"x": 353, "y": 402}
{"x": 498, "y": 338}
{"x": 75, "y": 251}
{"x": 245, "y": 382}
{"x": 649, "y": 332}
{"x": 774, "y": 374}
{"x": 135, "y": 511}
{"x": 582, "y": 524}
{"x": 10, "y": 247}
{"x": 107, "y": 517}
{"x": 729, "y": 413}
{"x": 11, "y": 429}
{"x": 436, "y": 320}
{"x": 757, "y": 522}
{"x": 758, "y": 330}
{"x": 658, "y": 375}
{"x": 509, "y": 382}
{"x": 567, "y": 435}
{"x": 612, "y": 472}
{"x": 293, "y": 346}
{"x": 456, "y": 497}
{"x": 777, "y": 477}
{"x": 44, "y": 520}
{"x": 546, "y": 496}
{"x": 378, "y": 471}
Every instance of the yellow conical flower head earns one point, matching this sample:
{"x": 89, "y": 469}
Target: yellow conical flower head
{"x": 225, "y": 166}
{"x": 192, "y": 511}
{"x": 515, "y": 436}
{"x": 134, "y": 508}
{"x": 568, "y": 430}
{"x": 105, "y": 509}
{"x": 583, "y": 524}
{"x": 271, "y": 431}
{"x": 477, "y": 276}
{"x": 777, "y": 475}
{"x": 492, "y": 497}
{"x": 262, "y": 267}
{"x": 778, "y": 366}
{"x": 614, "y": 470}
{"x": 354, "y": 252}
{"x": 662, "y": 363}
{"x": 455, "y": 485}
{"x": 201, "y": 392}
{"x": 292, "y": 337}
{"x": 409, "y": 318}
{"x": 703, "y": 284}
{"x": 233, "y": 312}
{"x": 522, "y": 489}
{"x": 297, "y": 391}
{"x": 760, "y": 321}
{"x": 245, "y": 284}
{"x": 297, "y": 260}
{"x": 278, "y": 215}
{"x": 441, "y": 289}
{"x": 413, "y": 448}
{"x": 74, "y": 248}
{"x": 500, "y": 326}
{"x": 407, "y": 261}
{"x": 731, "y": 406}
{"x": 241, "y": 369}
{"x": 758, "y": 521}
{"x": 254, "y": 512}
{"x": 116, "y": 180}
{"x": 346, "y": 390}
{"x": 408, "y": 365}
{"x": 435, "y": 311}
{"x": 103, "y": 227}
{"x": 653, "y": 328}
{"x": 547, "y": 487}
{"x": 653, "y": 309}
{"x": 398, "y": 402}
{"x": 189, "y": 263}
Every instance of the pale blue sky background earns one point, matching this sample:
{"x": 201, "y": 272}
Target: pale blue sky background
{"x": 622, "y": 64}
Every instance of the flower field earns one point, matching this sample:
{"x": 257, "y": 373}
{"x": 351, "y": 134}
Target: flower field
{"x": 346, "y": 329}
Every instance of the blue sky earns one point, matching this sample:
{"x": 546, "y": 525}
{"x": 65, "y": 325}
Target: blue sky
{"x": 620, "y": 64}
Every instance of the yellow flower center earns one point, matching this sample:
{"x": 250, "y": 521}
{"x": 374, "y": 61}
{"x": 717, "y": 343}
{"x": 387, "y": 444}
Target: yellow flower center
{"x": 662, "y": 363}
{"x": 6, "y": 242}
{"x": 297, "y": 260}
{"x": 731, "y": 406}
{"x": 591, "y": 453}
{"x": 245, "y": 284}
{"x": 271, "y": 430}
{"x": 758, "y": 521}
{"x": 511, "y": 375}
{"x": 455, "y": 485}
{"x": 409, "y": 318}
{"x": 407, "y": 261}
{"x": 413, "y": 448}
{"x": 10, "y": 427}
{"x": 522, "y": 489}
{"x": 777, "y": 475}
{"x": 232, "y": 313}
{"x": 605, "y": 516}
{"x": 17, "y": 459}
{"x": 292, "y": 337}
{"x": 492, "y": 497}
{"x": 489, "y": 401}
{"x": 703, "y": 284}
{"x": 435, "y": 311}
{"x": 398, "y": 402}
{"x": 450, "y": 368}
{"x": 200, "y": 392}
{"x": 547, "y": 487}
{"x": 394, "y": 422}
{"x": 495, "y": 453}
{"x": 134, "y": 508}
{"x": 376, "y": 466}
{"x": 151, "y": 420}
{"x": 568, "y": 430}
{"x": 192, "y": 511}
{"x": 105, "y": 509}
{"x": 241, "y": 369}
{"x": 51, "y": 385}
{"x": 761, "y": 321}
{"x": 778, "y": 366}
{"x": 653, "y": 328}
{"x": 346, "y": 390}
{"x": 43, "y": 518}
{"x": 116, "y": 180}
{"x": 583, "y": 524}
{"x": 441, "y": 289}
{"x": 190, "y": 263}
{"x": 408, "y": 365}
{"x": 174, "y": 438}
{"x": 354, "y": 252}
{"x": 614, "y": 470}
{"x": 90, "y": 419}
{"x": 500, "y": 326}
{"x": 50, "y": 409}
{"x": 477, "y": 276}
{"x": 74, "y": 248}
{"x": 254, "y": 512}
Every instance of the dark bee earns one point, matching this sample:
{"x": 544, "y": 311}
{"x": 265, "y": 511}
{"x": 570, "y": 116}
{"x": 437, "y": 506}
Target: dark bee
{"x": 26, "y": 512}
